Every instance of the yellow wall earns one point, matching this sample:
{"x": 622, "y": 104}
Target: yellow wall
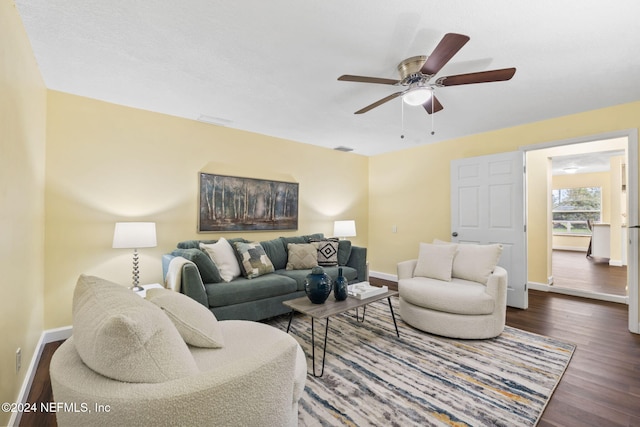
{"x": 108, "y": 163}
{"x": 22, "y": 148}
{"x": 539, "y": 243}
{"x": 410, "y": 188}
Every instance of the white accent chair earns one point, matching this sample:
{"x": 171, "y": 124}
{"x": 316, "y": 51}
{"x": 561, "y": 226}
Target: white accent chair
{"x": 133, "y": 361}
{"x": 454, "y": 290}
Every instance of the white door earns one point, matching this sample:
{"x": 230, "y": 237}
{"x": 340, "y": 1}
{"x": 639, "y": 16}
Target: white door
{"x": 487, "y": 206}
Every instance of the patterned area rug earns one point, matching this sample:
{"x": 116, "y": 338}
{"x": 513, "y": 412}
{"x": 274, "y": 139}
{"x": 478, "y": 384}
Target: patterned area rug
{"x": 372, "y": 377}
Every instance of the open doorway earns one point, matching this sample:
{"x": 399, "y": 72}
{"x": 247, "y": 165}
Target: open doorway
{"x": 586, "y": 215}
{"x": 558, "y": 237}
{"x": 589, "y": 219}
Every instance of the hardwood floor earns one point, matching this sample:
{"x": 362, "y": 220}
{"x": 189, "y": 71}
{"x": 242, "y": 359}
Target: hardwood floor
{"x": 601, "y": 386}
{"x": 573, "y": 270}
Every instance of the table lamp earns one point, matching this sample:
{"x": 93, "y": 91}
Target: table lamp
{"x": 135, "y": 235}
{"x": 344, "y": 229}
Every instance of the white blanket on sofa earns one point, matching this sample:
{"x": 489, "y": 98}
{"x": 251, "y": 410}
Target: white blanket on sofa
{"x": 173, "y": 280}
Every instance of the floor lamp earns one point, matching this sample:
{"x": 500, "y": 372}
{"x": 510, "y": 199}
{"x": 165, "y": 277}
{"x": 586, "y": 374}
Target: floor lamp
{"x": 135, "y": 235}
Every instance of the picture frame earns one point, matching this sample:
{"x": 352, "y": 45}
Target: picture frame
{"x": 230, "y": 203}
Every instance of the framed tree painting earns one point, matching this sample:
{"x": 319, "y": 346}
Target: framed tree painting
{"x": 229, "y": 203}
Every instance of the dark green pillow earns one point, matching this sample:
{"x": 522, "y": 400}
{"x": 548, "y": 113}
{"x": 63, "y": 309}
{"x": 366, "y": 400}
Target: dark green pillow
{"x": 207, "y": 268}
{"x": 344, "y": 252}
{"x": 301, "y": 239}
{"x": 314, "y": 236}
{"x": 193, "y": 244}
{"x": 276, "y": 252}
{"x": 296, "y": 240}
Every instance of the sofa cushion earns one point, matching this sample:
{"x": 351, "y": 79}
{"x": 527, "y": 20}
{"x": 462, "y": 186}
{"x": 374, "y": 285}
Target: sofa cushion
{"x": 474, "y": 262}
{"x": 207, "y": 268}
{"x": 196, "y": 324}
{"x": 458, "y": 296}
{"x": 244, "y": 290}
{"x": 224, "y": 257}
{"x": 435, "y": 261}
{"x": 301, "y": 239}
{"x": 122, "y": 336}
{"x": 252, "y": 259}
{"x": 276, "y": 252}
{"x": 327, "y": 250}
{"x": 301, "y": 256}
{"x": 344, "y": 252}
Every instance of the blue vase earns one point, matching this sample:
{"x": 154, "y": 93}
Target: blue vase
{"x": 340, "y": 287}
{"x": 317, "y": 285}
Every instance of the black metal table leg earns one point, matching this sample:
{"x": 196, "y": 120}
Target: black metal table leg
{"x": 313, "y": 348}
{"x": 364, "y": 311}
{"x": 290, "y": 319}
{"x": 393, "y": 316}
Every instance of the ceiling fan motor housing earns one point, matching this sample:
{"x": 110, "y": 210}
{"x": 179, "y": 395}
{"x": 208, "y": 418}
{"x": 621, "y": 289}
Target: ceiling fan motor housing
{"x": 409, "y": 69}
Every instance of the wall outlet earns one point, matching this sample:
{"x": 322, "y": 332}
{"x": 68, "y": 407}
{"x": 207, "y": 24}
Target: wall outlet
{"x": 18, "y": 359}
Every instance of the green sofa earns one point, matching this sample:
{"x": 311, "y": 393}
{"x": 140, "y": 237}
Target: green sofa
{"x": 259, "y": 297}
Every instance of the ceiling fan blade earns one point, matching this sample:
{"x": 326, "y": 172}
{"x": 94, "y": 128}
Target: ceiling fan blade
{"x": 363, "y": 79}
{"x": 480, "y": 77}
{"x": 432, "y": 108}
{"x": 379, "y": 102}
{"x": 450, "y": 44}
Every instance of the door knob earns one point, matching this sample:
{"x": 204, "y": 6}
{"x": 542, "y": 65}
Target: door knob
{"x": 454, "y": 234}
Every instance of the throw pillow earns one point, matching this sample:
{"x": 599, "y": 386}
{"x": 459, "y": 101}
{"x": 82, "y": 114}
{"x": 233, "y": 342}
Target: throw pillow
{"x": 344, "y": 252}
{"x": 302, "y": 256}
{"x": 435, "y": 261}
{"x": 276, "y": 252}
{"x": 224, "y": 258}
{"x": 327, "y": 251}
{"x": 476, "y": 262}
{"x": 196, "y": 324}
{"x": 207, "y": 268}
{"x": 122, "y": 336}
{"x": 253, "y": 260}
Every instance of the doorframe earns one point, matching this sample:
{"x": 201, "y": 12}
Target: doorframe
{"x": 632, "y": 200}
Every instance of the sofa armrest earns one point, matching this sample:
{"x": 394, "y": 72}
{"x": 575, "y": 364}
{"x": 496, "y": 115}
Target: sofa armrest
{"x": 406, "y": 268}
{"x": 497, "y": 285}
{"x": 191, "y": 282}
{"x": 192, "y": 285}
{"x": 358, "y": 260}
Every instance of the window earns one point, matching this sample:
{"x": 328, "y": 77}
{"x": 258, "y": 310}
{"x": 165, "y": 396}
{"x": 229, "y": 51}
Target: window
{"x": 573, "y": 207}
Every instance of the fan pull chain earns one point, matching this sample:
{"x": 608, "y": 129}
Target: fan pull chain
{"x": 401, "y": 120}
{"x": 433, "y": 103}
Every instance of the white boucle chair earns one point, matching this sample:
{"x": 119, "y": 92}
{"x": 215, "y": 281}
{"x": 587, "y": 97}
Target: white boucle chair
{"x": 454, "y": 290}
{"x": 150, "y": 362}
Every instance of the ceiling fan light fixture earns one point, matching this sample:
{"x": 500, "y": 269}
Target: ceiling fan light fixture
{"x": 417, "y": 96}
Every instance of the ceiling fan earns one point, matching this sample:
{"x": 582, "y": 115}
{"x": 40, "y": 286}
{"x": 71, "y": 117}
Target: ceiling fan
{"x": 416, "y": 74}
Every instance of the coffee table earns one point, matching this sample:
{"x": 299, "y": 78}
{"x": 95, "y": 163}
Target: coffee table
{"x": 331, "y": 307}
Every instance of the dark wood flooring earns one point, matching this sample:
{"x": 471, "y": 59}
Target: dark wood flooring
{"x": 601, "y": 386}
{"x": 573, "y": 270}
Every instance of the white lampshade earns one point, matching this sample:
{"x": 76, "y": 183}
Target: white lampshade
{"x": 417, "y": 96}
{"x": 344, "y": 228}
{"x": 134, "y": 235}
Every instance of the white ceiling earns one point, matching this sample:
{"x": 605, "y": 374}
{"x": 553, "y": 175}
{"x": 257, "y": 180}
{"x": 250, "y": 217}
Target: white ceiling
{"x": 271, "y": 66}
{"x": 597, "y": 161}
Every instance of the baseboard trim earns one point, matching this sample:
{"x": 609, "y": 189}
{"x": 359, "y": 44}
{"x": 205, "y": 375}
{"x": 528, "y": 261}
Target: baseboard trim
{"x": 570, "y": 248}
{"x": 46, "y": 337}
{"x": 384, "y": 276}
{"x": 578, "y": 293}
